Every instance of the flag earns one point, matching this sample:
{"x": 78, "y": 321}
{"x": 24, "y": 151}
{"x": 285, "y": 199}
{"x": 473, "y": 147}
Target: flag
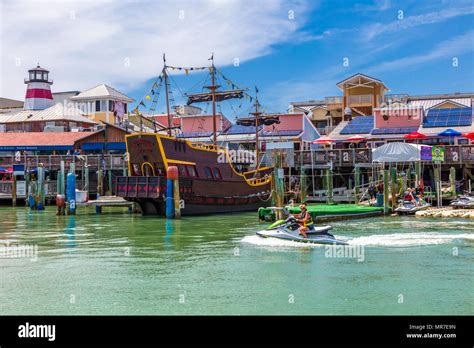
{"x": 142, "y": 103}
{"x": 187, "y": 72}
{"x": 148, "y": 97}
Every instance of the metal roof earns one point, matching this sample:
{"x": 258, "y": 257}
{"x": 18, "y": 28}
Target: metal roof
{"x": 41, "y": 140}
{"x": 102, "y": 91}
{"x": 429, "y": 103}
{"x": 56, "y": 112}
{"x": 362, "y": 76}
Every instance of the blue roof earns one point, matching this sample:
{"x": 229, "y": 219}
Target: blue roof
{"x": 281, "y": 133}
{"x": 238, "y": 129}
{"x": 449, "y": 117}
{"x": 401, "y": 130}
{"x": 359, "y": 125}
{"x": 194, "y": 134}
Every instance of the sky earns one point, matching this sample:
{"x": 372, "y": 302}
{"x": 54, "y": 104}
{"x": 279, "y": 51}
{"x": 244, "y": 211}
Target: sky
{"x": 293, "y": 50}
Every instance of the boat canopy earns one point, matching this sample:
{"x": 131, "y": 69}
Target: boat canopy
{"x": 398, "y": 152}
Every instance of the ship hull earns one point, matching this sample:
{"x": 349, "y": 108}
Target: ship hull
{"x": 150, "y": 207}
{"x": 208, "y": 182}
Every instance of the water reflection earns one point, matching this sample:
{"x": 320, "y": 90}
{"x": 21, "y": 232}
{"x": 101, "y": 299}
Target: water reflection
{"x": 70, "y": 232}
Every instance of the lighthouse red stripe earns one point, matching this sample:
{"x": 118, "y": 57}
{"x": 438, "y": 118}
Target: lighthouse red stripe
{"x": 39, "y": 93}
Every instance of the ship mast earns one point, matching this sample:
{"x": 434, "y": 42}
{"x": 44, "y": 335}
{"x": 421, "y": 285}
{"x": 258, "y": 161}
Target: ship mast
{"x": 213, "y": 88}
{"x": 257, "y": 114}
{"x": 165, "y": 75}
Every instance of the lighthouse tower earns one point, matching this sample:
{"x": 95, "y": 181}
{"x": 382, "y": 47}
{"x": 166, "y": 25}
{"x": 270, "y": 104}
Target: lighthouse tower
{"x": 38, "y": 92}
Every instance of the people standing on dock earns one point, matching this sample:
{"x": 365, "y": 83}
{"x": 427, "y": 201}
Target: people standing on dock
{"x": 372, "y": 191}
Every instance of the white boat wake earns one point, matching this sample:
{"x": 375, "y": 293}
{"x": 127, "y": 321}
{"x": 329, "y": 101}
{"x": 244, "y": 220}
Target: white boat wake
{"x": 410, "y": 239}
{"x": 387, "y": 240}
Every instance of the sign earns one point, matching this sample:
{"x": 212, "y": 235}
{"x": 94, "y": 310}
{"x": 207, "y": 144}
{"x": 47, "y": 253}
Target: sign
{"x": 426, "y": 153}
{"x": 21, "y": 189}
{"x": 437, "y": 153}
{"x": 18, "y": 169}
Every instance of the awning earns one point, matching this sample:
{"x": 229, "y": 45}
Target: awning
{"x": 398, "y": 152}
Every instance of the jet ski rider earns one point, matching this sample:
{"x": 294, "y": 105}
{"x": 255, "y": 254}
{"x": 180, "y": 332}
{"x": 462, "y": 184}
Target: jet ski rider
{"x": 305, "y": 220}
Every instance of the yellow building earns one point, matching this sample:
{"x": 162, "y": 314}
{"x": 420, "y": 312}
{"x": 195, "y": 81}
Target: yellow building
{"x": 103, "y": 103}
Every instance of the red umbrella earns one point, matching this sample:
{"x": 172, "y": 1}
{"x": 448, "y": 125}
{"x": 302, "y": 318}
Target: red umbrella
{"x": 356, "y": 138}
{"x": 324, "y": 140}
{"x": 415, "y": 135}
{"x": 470, "y": 136}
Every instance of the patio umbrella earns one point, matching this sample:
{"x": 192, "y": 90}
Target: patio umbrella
{"x": 415, "y": 135}
{"x": 470, "y": 136}
{"x": 450, "y": 133}
{"x": 4, "y": 170}
{"x": 356, "y": 138}
{"x": 324, "y": 140}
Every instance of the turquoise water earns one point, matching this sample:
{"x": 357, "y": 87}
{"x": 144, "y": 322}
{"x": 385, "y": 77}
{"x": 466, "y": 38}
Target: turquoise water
{"x": 118, "y": 263}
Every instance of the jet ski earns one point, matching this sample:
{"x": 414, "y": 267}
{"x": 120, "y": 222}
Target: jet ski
{"x": 288, "y": 230}
{"x": 409, "y": 208}
{"x": 463, "y": 202}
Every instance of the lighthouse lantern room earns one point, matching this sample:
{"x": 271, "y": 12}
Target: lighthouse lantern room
{"x": 38, "y": 92}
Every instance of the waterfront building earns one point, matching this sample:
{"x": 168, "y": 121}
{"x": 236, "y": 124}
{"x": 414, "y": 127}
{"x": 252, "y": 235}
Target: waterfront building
{"x": 103, "y": 103}
{"x": 366, "y": 109}
{"x": 56, "y": 118}
{"x": 10, "y": 105}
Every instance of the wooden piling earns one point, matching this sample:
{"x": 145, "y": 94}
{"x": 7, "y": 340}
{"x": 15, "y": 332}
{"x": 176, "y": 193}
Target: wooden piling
{"x": 393, "y": 186}
{"x": 386, "y": 208}
{"x": 176, "y": 198}
{"x": 14, "y": 191}
{"x": 356, "y": 183}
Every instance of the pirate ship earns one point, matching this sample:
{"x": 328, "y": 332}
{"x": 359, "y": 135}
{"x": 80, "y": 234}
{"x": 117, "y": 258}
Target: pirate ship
{"x": 209, "y": 182}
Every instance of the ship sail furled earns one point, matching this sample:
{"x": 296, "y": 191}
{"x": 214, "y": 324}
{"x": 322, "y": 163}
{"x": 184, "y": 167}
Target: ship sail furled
{"x": 266, "y": 120}
{"x": 219, "y": 96}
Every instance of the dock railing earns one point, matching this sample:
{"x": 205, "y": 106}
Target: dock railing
{"x": 454, "y": 154}
{"x": 52, "y": 162}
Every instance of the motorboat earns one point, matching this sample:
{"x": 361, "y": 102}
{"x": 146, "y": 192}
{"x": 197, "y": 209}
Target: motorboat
{"x": 288, "y": 230}
{"x": 410, "y": 208}
{"x": 463, "y": 202}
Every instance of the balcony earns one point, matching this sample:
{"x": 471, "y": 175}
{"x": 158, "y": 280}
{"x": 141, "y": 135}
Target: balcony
{"x": 333, "y": 103}
{"x": 360, "y": 100}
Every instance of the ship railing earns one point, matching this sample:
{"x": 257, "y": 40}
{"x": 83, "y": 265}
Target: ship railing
{"x": 207, "y": 147}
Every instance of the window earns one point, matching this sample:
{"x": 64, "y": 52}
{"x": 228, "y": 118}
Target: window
{"x": 192, "y": 171}
{"x": 39, "y": 75}
{"x": 125, "y": 107}
{"x": 111, "y": 105}
{"x": 97, "y": 105}
{"x": 182, "y": 170}
{"x": 32, "y": 75}
{"x": 217, "y": 174}
{"x": 103, "y": 105}
{"x": 208, "y": 173}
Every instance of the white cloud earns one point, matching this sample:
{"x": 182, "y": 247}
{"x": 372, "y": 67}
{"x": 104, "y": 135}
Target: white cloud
{"x": 447, "y": 49}
{"x": 378, "y": 29}
{"x": 85, "y": 43}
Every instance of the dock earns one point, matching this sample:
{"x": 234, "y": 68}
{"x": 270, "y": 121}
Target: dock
{"x": 108, "y": 201}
